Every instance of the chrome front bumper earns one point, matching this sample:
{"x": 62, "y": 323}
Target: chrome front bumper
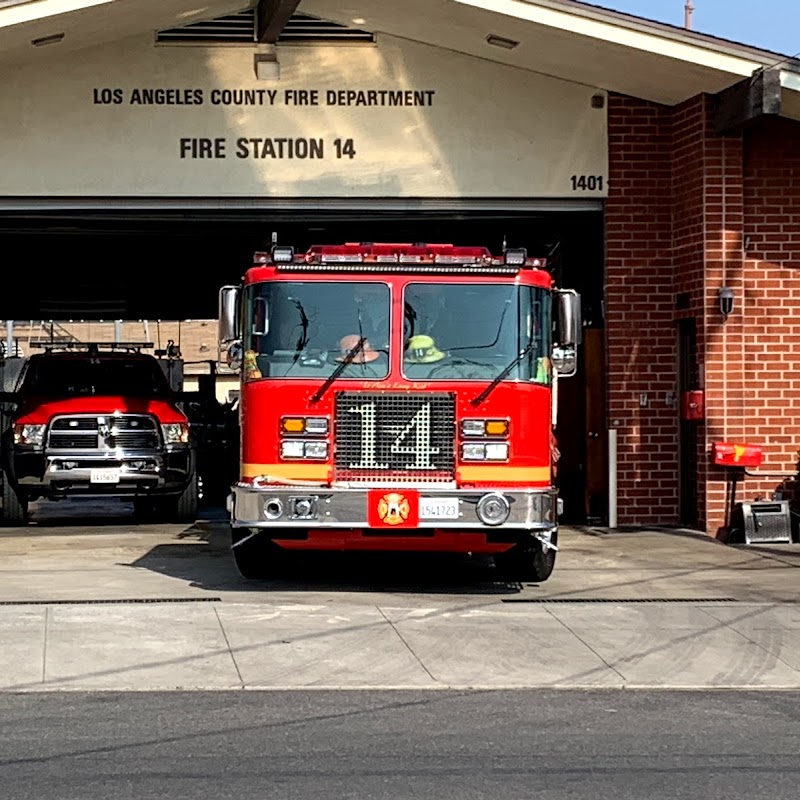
{"x": 104, "y": 473}
{"x": 280, "y": 507}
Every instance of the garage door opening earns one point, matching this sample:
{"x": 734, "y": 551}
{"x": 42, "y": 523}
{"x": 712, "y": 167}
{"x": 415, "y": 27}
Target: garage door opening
{"x": 153, "y": 265}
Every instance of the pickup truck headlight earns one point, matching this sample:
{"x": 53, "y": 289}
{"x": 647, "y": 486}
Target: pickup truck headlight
{"x": 29, "y": 435}
{"x": 175, "y": 432}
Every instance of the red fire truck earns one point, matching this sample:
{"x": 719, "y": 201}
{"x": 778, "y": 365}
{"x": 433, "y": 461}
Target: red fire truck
{"x": 398, "y": 397}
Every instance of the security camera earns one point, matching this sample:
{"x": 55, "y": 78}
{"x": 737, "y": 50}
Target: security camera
{"x": 726, "y": 300}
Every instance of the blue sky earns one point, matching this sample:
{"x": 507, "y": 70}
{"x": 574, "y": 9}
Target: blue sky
{"x": 770, "y": 24}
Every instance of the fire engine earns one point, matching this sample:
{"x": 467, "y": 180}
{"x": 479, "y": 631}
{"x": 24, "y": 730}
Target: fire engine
{"x": 398, "y": 397}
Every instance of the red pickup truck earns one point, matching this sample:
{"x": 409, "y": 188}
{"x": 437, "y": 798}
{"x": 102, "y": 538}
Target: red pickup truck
{"x": 96, "y": 420}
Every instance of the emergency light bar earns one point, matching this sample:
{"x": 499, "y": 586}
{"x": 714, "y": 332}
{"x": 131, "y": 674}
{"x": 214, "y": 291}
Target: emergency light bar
{"x": 367, "y": 255}
{"x": 91, "y": 346}
{"x": 417, "y": 269}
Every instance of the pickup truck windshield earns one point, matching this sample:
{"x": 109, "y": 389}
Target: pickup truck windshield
{"x": 307, "y": 329}
{"x": 84, "y": 377}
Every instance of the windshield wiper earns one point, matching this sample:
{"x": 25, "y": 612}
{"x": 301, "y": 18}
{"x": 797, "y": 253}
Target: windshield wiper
{"x": 302, "y": 340}
{"x": 334, "y": 376}
{"x": 476, "y": 401}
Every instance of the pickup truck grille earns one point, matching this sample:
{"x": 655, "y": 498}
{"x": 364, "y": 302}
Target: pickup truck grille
{"x": 395, "y": 437}
{"x": 98, "y": 432}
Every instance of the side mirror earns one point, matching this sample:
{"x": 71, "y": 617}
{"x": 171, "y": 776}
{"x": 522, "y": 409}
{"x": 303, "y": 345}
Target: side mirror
{"x": 565, "y": 360}
{"x": 260, "y": 323}
{"x": 569, "y": 332}
{"x": 228, "y": 314}
{"x": 234, "y": 356}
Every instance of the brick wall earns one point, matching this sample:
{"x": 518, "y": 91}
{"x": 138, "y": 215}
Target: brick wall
{"x": 767, "y": 350}
{"x": 639, "y": 310}
{"x": 689, "y": 164}
{"x": 689, "y": 212}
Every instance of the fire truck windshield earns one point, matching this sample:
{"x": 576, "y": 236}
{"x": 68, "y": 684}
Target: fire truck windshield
{"x": 463, "y": 331}
{"x": 302, "y": 329}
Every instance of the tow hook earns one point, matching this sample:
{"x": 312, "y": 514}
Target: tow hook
{"x": 546, "y": 538}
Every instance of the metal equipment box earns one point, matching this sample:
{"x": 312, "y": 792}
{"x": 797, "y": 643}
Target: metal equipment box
{"x": 767, "y": 522}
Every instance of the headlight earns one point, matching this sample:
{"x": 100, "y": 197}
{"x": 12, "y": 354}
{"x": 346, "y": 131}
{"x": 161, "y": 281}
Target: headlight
{"x": 293, "y": 448}
{"x": 480, "y": 451}
{"x": 30, "y": 435}
{"x": 473, "y": 427}
{"x": 497, "y": 451}
{"x": 484, "y": 427}
{"x": 175, "y": 432}
{"x": 473, "y": 452}
{"x": 316, "y": 449}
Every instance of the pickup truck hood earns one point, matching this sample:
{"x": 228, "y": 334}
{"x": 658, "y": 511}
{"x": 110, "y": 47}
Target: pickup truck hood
{"x": 39, "y": 410}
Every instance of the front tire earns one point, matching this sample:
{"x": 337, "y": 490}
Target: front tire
{"x": 256, "y": 556}
{"x": 169, "y": 508}
{"x": 186, "y": 508}
{"x": 15, "y": 509}
{"x": 527, "y": 563}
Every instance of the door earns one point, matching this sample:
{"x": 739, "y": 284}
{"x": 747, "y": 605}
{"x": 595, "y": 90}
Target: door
{"x": 596, "y": 490}
{"x": 688, "y": 378}
{"x": 583, "y": 466}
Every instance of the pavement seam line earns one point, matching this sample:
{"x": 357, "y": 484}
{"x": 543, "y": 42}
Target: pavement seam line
{"x": 748, "y": 639}
{"x": 228, "y": 645}
{"x": 585, "y": 644}
{"x": 44, "y": 643}
{"x": 408, "y": 646}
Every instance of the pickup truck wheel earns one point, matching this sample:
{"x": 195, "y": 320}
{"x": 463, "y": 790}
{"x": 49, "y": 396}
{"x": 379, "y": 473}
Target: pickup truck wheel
{"x": 186, "y": 507}
{"x": 257, "y": 557}
{"x": 15, "y": 511}
{"x": 527, "y": 563}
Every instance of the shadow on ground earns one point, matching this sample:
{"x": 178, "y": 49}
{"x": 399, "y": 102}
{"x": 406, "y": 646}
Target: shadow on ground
{"x": 201, "y": 556}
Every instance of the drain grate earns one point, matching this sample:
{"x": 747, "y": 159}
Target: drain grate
{"x": 122, "y": 602}
{"x": 620, "y": 600}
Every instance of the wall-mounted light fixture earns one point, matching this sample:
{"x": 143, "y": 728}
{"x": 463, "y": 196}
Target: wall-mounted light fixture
{"x": 267, "y": 66}
{"x": 725, "y": 301}
{"x": 43, "y": 40}
{"x": 501, "y": 41}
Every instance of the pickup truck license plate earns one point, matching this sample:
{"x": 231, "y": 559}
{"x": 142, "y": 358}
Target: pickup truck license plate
{"x": 438, "y": 508}
{"x": 104, "y": 476}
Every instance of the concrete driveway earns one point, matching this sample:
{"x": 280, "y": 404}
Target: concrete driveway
{"x": 88, "y": 599}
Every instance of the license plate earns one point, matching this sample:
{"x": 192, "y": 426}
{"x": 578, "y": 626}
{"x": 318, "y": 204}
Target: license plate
{"x": 438, "y": 508}
{"x": 104, "y": 476}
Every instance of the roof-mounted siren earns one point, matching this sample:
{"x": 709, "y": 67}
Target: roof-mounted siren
{"x": 282, "y": 254}
{"x": 518, "y": 257}
{"x": 515, "y": 256}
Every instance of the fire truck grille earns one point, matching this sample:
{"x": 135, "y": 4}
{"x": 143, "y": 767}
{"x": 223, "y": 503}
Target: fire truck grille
{"x": 97, "y": 432}
{"x": 395, "y": 437}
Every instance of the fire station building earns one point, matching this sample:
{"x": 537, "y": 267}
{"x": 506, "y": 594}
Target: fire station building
{"x": 148, "y": 147}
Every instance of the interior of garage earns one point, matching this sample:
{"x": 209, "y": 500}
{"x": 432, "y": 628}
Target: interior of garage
{"x": 157, "y": 265}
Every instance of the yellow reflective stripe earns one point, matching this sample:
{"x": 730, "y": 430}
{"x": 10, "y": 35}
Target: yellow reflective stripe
{"x": 321, "y": 472}
{"x": 502, "y": 472}
{"x": 295, "y": 472}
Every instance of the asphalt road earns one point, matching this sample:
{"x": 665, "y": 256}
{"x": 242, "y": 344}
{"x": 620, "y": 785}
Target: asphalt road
{"x": 624, "y": 745}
